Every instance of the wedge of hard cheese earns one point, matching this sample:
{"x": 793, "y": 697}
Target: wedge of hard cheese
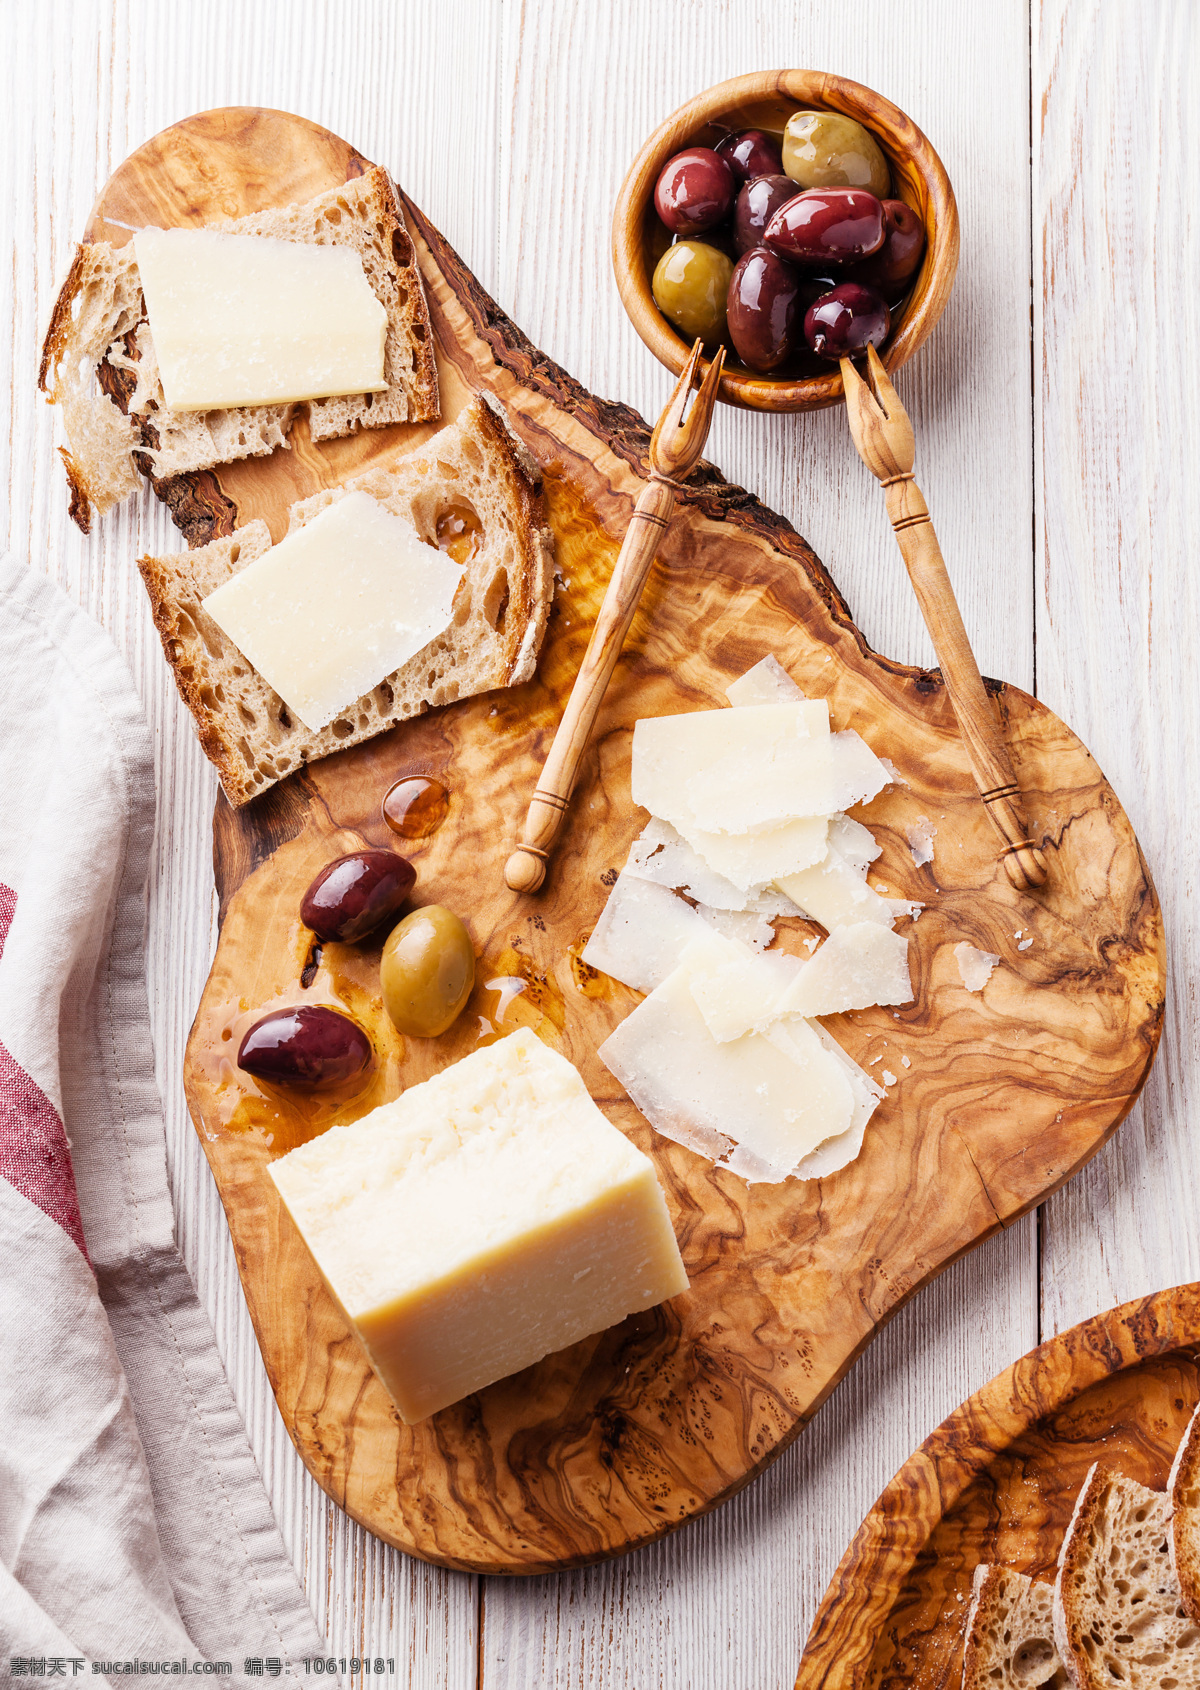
{"x": 483, "y": 1220}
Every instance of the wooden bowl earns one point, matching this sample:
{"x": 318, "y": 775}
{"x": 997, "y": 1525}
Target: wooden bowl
{"x": 765, "y": 100}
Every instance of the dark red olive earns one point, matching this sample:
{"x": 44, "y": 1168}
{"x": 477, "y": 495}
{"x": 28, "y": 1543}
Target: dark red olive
{"x": 847, "y": 321}
{"x": 695, "y": 191}
{"x": 355, "y": 894}
{"x": 311, "y": 1046}
{"x": 764, "y": 297}
{"x": 893, "y": 267}
{"x": 755, "y": 206}
{"x": 827, "y": 226}
{"x": 751, "y": 153}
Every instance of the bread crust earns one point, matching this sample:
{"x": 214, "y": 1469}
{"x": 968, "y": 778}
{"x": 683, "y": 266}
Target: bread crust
{"x": 244, "y": 726}
{"x": 1183, "y": 1487}
{"x": 58, "y": 334}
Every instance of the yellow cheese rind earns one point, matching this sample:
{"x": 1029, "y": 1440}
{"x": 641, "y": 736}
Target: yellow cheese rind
{"x": 484, "y": 1219}
{"x": 337, "y": 606}
{"x": 252, "y": 320}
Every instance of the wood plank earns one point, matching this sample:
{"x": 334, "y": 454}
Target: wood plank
{"x": 1117, "y": 179}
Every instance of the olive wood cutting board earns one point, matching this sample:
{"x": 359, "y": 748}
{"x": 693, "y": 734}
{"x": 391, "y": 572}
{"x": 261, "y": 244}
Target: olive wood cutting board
{"x": 1005, "y": 1095}
{"x": 997, "y": 1482}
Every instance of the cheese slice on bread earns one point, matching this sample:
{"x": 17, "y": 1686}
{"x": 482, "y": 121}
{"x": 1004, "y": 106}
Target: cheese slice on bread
{"x": 474, "y": 482}
{"x": 99, "y": 363}
{"x": 1010, "y": 1634}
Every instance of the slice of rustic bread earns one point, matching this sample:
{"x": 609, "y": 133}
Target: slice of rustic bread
{"x": 1118, "y": 1617}
{"x": 99, "y": 364}
{"x": 1183, "y": 1487}
{"x": 1010, "y": 1634}
{"x": 471, "y": 470}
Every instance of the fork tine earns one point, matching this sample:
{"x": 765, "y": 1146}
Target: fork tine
{"x": 884, "y": 438}
{"x": 672, "y": 415}
{"x": 860, "y": 405}
{"x": 883, "y": 391}
{"x": 677, "y": 441}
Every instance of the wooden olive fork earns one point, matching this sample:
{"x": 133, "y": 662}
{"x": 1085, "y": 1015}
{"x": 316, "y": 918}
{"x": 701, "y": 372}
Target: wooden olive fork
{"x": 884, "y": 437}
{"x": 675, "y": 447}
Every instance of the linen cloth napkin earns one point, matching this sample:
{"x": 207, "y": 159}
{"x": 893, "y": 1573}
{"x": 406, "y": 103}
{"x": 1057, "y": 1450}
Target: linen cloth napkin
{"x": 133, "y": 1521}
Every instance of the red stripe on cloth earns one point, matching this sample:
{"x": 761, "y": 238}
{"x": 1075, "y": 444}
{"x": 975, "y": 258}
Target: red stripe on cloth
{"x": 8, "y": 908}
{"x": 34, "y": 1154}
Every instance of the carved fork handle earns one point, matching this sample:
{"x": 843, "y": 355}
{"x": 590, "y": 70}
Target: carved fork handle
{"x": 526, "y": 868}
{"x": 990, "y": 761}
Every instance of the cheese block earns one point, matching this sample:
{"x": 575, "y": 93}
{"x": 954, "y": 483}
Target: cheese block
{"x": 486, "y": 1218}
{"x": 338, "y": 605}
{"x": 252, "y": 320}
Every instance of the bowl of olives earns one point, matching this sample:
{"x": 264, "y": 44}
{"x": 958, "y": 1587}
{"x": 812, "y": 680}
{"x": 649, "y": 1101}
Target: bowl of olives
{"x": 794, "y": 218}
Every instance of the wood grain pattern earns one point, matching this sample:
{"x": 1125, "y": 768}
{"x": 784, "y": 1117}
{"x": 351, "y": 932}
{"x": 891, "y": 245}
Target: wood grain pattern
{"x": 621, "y": 1438}
{"x": 493, "y": 151}
{"x": 997, "y": 1482}
{"x": 765, "y": 100}
{"x": 1117, "y": 587}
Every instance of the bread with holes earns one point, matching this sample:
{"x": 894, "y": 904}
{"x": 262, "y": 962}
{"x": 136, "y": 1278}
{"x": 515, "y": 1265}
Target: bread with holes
{"x": 99, "y": 366}
{"x": 500, "y": 608}
{"x": 1010, "y": 1634}
{"x": 1118, "y": 1615}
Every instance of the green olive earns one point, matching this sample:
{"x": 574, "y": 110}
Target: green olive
{"x": 821, "y": 149}
{"x": 691, "y": 285}
{"x": 427, "y": 971}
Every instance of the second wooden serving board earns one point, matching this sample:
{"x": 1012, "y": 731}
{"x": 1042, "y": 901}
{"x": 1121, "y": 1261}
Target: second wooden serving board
{"x": 994, "y": 1098}
{"x": 997, "y": 1483}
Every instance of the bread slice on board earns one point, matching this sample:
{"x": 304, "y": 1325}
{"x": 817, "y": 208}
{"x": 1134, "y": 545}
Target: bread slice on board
{"x": 1010, "y": 1634}
{"x": 500, "y": 608}
{"x": 99, "y": 365}
{"x": 1183, "y": 1487}
{"x": 1118, "y": 1617}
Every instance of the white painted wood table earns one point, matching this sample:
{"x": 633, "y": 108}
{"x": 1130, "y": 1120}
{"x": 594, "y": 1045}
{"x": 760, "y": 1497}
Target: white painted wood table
{"x": 1059, "y": 433}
